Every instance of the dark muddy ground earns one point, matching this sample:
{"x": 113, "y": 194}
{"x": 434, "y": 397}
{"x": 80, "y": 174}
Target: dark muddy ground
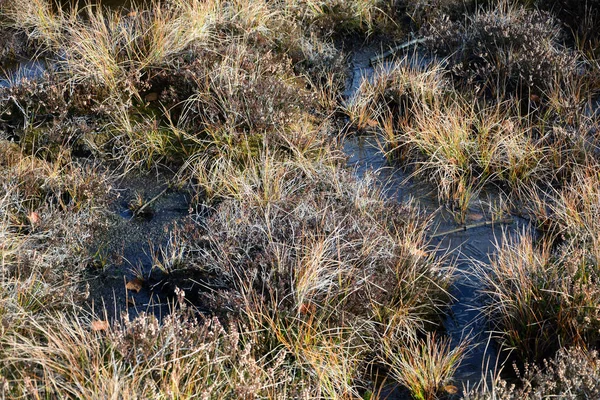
{"x": 130, "y": 250}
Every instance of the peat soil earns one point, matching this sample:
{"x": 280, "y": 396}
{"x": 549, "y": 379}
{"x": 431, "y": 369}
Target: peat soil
{"x": 469, "y": 245}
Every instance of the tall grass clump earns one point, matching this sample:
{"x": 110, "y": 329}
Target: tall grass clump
{"x": 161, "y": 80}
{"x": 425, "y": 366}
{"x": 540, "y": 299}
{"x": 320, "y": 263}
{"x": 106, "y": 47}
{"x": 543, "y": 295}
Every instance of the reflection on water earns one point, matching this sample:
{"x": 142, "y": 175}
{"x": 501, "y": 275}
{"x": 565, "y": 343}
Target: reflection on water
{"x": 23, "y": 70}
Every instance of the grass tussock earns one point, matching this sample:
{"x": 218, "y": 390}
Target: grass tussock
{"x": 540, "y": 299}
{"x": 425, "y": 366}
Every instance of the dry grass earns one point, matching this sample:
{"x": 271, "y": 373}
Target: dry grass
{"x": 311, "y": 267}
{"x": 425, "y": 366}
{"x": 318, "y": 275}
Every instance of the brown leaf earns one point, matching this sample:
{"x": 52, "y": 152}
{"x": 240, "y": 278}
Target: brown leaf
{"x": 135, "y": 285}
{"x": 34, "y": 218}
{"x": 99, "y": 325}
{"x": 476, "y": 216}
{"x": 451, "y": 389}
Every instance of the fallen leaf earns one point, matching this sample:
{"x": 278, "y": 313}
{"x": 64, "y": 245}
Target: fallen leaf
{"x": 476, "y": 216}
{"x": 135, "y": 285}
{"x": 34, "y": 218}
{"x": 451, "y": 389}
{"x": 99, "y": 325}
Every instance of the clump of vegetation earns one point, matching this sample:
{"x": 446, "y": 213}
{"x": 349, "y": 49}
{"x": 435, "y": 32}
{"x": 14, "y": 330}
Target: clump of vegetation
{"x": 423, "y": 12}
{"x": 571, "y": 374}
{"x": 540, "y": 298}
{"x": 306, "y": 268}
{"x": 503, "y": 50}
{"x": 308, "y": 248}
{"x": 425, "y": 366}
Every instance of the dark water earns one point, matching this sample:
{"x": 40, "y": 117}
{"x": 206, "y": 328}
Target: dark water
{"x": 467, "y": 248}
{"x": 131, "y": 247}
{"x": 18, "y": 71}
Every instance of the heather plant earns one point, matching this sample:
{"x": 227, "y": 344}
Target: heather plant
{"x": 183, "y": 356}
{"x": 571, "y": 374}
{"x": 503, "y": 49}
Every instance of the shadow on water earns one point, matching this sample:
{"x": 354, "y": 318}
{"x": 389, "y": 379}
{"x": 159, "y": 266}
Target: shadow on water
{"x": 467, "y": 247}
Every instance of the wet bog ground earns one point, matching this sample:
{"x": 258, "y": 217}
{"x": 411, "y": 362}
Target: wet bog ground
{"x": 469, "y": 245}
{"x": 127, "y": 280}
